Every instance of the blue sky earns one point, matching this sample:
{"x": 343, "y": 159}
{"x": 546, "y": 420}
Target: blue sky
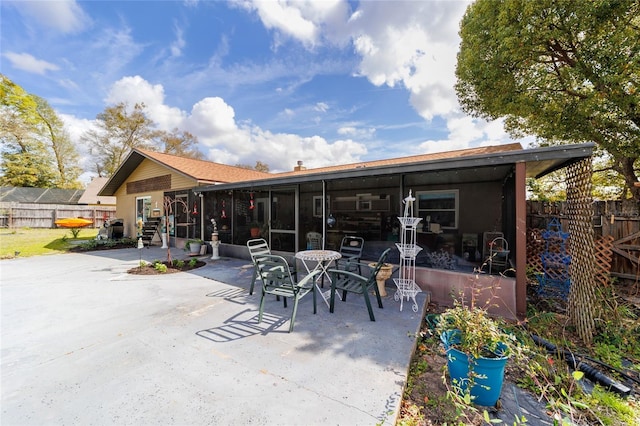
{"x": 324, "y": 82}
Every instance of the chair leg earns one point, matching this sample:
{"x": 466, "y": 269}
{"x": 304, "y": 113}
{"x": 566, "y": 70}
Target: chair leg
{"x": 332, "y": 299}
{"x": 313, "y": 289}
{"x": 261, "y": 307}
{"x": 293, "y": 314}
{"x": 253, "y": 281}
{"x": 377, "y": 292}
{"x": 368, "y": 302}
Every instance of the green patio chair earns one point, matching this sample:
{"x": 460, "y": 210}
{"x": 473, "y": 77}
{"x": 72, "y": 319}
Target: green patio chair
{"x": 277, "y": 278}
{"x": 259, "y": 247}
{"x": 351, "y": 251}
{"x": 350, "y": 282}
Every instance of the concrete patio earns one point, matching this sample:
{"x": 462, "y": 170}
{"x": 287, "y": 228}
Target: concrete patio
{"x": 84, "y": 342}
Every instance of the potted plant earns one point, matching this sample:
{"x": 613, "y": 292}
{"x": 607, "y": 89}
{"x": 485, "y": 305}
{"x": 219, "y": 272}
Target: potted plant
{"x": 254, "y": 229}
{"x": 193, "y": 246}
{"x": 477, "y": 351}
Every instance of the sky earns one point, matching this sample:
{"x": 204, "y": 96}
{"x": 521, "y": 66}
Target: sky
{"x": 324, "y": 82}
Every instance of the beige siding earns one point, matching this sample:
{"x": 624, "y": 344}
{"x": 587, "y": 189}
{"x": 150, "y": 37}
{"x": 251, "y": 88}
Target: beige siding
{"x": 126, "y": 205}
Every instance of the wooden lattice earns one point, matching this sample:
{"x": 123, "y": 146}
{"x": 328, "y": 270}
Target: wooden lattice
{"x": 603, "y": 255}
{"x": 582, "y": 307}
{"x": 535, "y": 246}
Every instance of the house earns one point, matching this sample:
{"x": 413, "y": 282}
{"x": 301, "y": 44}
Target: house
{"x": 145, "y": 179}
{"x": 466, "y": 198}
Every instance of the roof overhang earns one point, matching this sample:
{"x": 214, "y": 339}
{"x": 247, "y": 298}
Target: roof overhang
{"x": 128, "y": 166}
{"x": 476, "y": 168}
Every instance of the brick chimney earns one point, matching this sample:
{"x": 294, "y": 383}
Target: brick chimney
{"x": 299, "y": 167}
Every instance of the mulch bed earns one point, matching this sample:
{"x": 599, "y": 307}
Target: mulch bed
{"x": 150, "y": 269}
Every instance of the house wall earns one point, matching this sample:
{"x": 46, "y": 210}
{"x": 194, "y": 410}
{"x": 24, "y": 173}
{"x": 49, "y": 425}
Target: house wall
{"x": 126, "y": 207}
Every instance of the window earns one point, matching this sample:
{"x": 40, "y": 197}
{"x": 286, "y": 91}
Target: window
{"x": 439, "y": 207}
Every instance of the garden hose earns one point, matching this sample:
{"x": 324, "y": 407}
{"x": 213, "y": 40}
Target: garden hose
{"x": 590, "y": 372}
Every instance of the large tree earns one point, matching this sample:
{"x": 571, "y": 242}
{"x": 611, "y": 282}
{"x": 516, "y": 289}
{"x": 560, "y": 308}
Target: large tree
{"x": 65, "y": 156}
{"x": 180, "y": 143}
{"x": 36, "y": 151}
{"x": 562, "y": 70}
{"x": 119, "y": 130}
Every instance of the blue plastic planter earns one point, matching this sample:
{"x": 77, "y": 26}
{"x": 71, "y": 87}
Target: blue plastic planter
{"x": 489, "y": 372}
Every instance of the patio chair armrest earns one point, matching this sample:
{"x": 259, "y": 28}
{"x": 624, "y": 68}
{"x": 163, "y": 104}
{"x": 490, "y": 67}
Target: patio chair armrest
{"x": 309, "y": 277}
{"x": 346, "y": 274}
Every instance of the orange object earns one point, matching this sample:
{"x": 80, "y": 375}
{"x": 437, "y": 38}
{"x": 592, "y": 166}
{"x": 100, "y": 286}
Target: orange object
{"x": 73, "y": 222}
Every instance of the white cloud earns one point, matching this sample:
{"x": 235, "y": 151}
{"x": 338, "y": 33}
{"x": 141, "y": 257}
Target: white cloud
{"x": 357, "y": 132}
{"x": 178, "y": 44}
{"x": 26, "y": 62}
{"x": 411, "y": 44}
{"x": 65, "y": 16}
{"x": 221, "y": 138}
{"x": 132, "y": 90}
{"x": 307, "y": 21}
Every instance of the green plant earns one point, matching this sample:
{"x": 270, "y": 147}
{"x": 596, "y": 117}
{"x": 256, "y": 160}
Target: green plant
{"x": 192, "y": 263}
{"x": 187, "y": 246}
{"x": 75, "y": 232}
{"x": 479, "y": 333}
{"x": 179, "y": 263}
{"x": 160, "y": 267}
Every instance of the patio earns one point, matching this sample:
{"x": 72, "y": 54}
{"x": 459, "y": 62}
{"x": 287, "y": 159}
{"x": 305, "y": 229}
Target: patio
{"x": 83, "y": 342}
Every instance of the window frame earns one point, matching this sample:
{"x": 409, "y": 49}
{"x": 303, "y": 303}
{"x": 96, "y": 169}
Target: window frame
{"x": 423, "y": 213}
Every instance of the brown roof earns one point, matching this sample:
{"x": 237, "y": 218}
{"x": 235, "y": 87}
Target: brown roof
{"x": 204, "y": 171}
{"x": 483, "y": 150}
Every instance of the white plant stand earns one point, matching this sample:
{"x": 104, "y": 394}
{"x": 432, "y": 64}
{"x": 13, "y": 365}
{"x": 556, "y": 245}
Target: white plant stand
{"x": 406, "y": 283}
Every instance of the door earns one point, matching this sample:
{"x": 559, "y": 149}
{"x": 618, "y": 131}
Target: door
{"x": 143, "y": 211}
{"x": 284, "y": 213}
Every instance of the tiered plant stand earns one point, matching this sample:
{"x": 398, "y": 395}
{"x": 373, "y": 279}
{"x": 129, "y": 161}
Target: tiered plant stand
{"x": 406, "y": 283}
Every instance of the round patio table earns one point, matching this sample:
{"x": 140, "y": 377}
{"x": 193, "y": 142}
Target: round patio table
{"x": 323, "y": 259}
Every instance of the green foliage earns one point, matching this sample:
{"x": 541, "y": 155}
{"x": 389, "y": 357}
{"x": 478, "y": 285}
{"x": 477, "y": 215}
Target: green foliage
{"x": 181, "y": 143}
{"x": 36, "y": 150}
{"x": 193, "y": 263}
{"x": 160, "y": 267}
{"x": 178, "y": 263}
{"x": 564, "y": 71}
{"x": 120, "y": 129}
{"x": 187, "y": 245}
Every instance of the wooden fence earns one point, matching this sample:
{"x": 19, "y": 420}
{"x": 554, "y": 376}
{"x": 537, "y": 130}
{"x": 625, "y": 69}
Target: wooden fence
{"x": 25, "y": 215}
{"x": 617, "y": 236}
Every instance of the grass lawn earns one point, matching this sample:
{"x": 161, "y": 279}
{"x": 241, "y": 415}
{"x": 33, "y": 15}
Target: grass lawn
{"x": 34, "y": 242}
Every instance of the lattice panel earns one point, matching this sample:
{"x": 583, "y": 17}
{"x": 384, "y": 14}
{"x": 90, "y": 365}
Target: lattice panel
{"x": 582, "y": 305}
{"x": 603, "y": 255}
{"x": 535, "y": 246}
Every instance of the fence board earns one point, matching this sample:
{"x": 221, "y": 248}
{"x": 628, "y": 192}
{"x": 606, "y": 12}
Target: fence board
{"x": 24, "y": 215}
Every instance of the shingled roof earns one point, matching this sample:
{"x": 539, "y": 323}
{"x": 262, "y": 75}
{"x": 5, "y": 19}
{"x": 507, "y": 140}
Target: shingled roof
{"x": 204, "y": 172}
{"x": 12, "y": 194}
{"x": 483, "y": 150}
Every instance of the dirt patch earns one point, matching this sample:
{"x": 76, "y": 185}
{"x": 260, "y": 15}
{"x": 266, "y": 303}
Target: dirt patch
{"x": 171, "y": 268}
